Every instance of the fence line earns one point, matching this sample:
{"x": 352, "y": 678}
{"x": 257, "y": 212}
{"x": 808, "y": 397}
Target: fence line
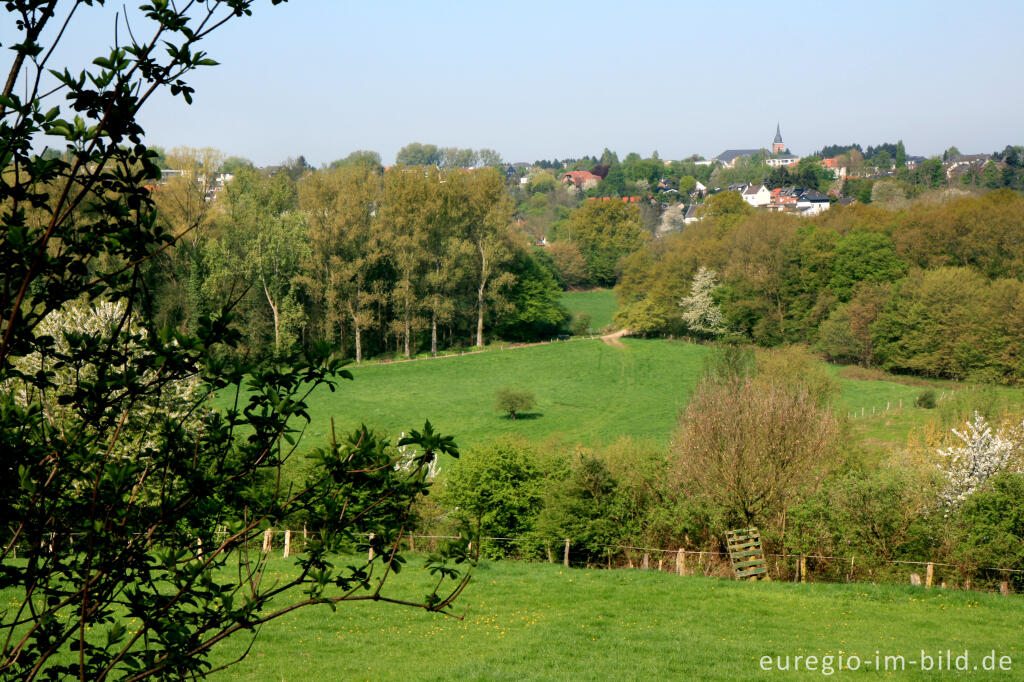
{"x": 679, "y": 553}
{"x": 288, "y": 533}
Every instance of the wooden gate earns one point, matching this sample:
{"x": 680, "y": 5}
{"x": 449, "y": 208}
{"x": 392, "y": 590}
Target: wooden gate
{"x": 746, "y": 553}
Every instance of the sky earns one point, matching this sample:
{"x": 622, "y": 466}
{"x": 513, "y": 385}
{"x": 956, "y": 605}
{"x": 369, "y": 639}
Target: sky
{"x": 543, "y": 80}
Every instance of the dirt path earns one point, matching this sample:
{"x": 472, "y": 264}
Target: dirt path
{"x": 613, "y": 339}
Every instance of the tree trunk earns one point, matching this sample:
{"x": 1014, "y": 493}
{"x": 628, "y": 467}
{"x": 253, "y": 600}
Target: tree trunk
{"x": 480, "y": 298}
{"x": 433, "y": 332}
{"x": 273, "y": 309}
{"x": 358, "y": 333}
{"x": 480, "y": 316}
{"x": 408, "y": 331}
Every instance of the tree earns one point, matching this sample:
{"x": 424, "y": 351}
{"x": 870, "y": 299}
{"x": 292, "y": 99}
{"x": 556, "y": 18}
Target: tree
{"x": 489, "y": 158}
{"x": 497, "y": 490}
{"x": 344, "y": 250}
{"x": 513, "y": 402}
{"x": 726, "y": 207}
{"x": 409, "y": 203}
{"x": 416, "y": 154}
{"x": 863, "y": 256}
{"x": 587, "y": 508}
{"x": 360, "y": 157}
{"x": 534, "y": 310}
{"x": 112, "y": 508}
{"x": 483, "y": 219}
{"x": 981, "y": 455}
{"x": 605, "y": 231}
{"x": 265, "y": 245}
{"x": 700, "y": 312}
{"x": 572, "y": 267}
{"x": 751, "y": 447}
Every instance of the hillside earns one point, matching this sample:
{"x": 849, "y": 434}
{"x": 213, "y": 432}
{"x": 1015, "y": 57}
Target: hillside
{"x": 586, "y": 391}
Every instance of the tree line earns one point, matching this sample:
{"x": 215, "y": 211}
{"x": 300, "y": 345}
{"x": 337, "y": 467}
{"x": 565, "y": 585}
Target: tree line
{"x": 935, "y": 289}
{"x": 366, "y": 260}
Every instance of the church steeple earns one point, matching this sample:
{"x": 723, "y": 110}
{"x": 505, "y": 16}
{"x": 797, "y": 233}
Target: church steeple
{"x": 778, "y": 145}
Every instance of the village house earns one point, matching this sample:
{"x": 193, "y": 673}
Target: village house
{"x": 582, "y": 179}
{"x": 756, "y": 195}
{"x": 838, "y": 171}
{"x": 812, "y": 202}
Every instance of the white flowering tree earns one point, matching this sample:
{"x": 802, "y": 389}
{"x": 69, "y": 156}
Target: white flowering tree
{"x": 700, "y": 312}
{"x": 981, "y": 454}
{"x": 78, "y": 326}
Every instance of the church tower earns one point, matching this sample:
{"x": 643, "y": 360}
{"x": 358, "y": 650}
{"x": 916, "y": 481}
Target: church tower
{"x": 778, "y": 146}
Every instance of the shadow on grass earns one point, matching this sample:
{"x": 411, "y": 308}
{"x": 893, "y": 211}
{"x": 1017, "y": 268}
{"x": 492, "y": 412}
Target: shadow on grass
{"x": 522, "y": 416}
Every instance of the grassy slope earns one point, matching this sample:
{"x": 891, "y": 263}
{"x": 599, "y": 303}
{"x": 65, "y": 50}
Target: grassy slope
{"x": 542, "y": 622}
{"x": 600, "y": 304}
{"x": 587, "y": 392}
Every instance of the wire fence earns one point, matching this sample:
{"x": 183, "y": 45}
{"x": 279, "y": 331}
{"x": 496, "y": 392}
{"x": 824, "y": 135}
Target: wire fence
{"x": 711, "y": 563}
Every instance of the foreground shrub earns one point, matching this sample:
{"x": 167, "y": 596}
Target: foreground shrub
{"x": 497, "y": 491}
{"x": 751, "y": 447}
{"x": 586, "y": 508}
{"x": 989, "y": 530}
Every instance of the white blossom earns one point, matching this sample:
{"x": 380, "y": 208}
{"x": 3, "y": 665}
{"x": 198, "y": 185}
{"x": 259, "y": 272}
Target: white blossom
{"x": 700, "y": 312}
{"x": 982, "y": 454}
{"x": 176, "y": 400}
{"x": 407, "y": 461}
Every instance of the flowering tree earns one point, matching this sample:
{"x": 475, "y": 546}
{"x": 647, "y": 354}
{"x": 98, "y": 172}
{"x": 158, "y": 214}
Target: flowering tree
{"x": 700, "y": 312}
{"x": 982, "y": 454}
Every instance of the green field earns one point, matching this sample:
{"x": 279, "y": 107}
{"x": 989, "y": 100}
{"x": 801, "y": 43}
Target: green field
{"x": 586, "y": 391}
{"x": 540, "y": 621}
{"x": 600, "y": 304}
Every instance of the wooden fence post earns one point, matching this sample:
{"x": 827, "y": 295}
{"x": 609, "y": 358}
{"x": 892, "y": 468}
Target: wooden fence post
{"x": 369, "y": 556}
{"x": 412, "y": 542}
{"x": 661, "y": 562}
{"x": 287, "y": 543}
{"x": 680, "y": 561}
{"x": 1004, "y": 588}
{"x": 268, "y": 540}
{"x": 305, "y": 533}
{"x": 803, "y": 568}
{"x": 551, "y": 555}
{"x": 915, "y": 580}
{"x": 565, "y": 558}
{"x": 929, "y": 574}
{"x": 645, "y": 563}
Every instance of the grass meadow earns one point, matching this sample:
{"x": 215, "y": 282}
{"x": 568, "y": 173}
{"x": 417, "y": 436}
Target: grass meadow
{"x": 600, "y": 304}
{"x": 540, "y": 621}
{"x": 590, "y": 393}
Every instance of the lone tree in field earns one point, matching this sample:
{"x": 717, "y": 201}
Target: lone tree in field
{"x": 129, "y": 503}
{"x": 513, "y": 402}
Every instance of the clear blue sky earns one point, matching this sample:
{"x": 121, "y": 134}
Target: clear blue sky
{"x": 563, "y": 79}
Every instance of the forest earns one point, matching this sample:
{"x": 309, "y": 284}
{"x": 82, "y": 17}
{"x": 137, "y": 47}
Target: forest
{"x": 933, "y": 289}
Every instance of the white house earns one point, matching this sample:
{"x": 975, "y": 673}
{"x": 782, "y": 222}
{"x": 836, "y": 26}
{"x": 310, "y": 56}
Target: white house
{"x": 812, "y": 202}
{"x": 781, "y": 160}
{"x": 757, "y": 195}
